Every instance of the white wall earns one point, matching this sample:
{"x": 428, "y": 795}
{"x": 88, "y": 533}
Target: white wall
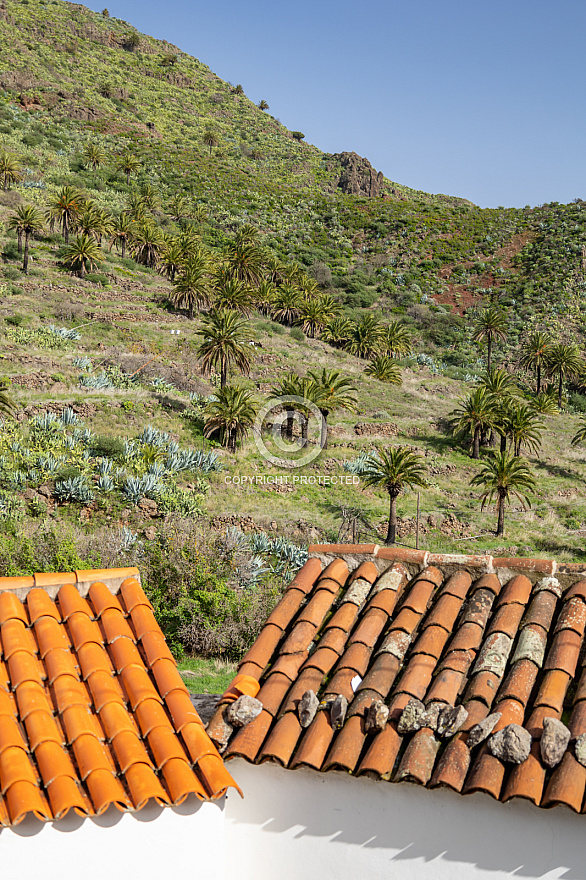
{"x": 299, "y": 824}
{"x": 154, "y": 844}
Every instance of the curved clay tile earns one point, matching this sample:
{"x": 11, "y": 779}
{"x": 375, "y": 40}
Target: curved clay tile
{"x": 452, "y": 767}
{"x": 83, "y": 630}
{"x": 105, "y": 790}
{"x": 60, "y": 661}
{"x": 125, "y": 655}
{"x": 526, "y": 780}
{"x": 53, "y": 761}
{"x": 68, "y": 692}
{"x": 315, "y": 742}
{"x": 64, "y": 795}
{"x": 287, "y": 608}
{"x": 30, "y": 696}
{"x": 15, "y": 766}
{"x": 104, "y": 689}
{"x": 567, "y": 785}
{"x": 281, "y": 742}
{"x": 16, "y": 637}
{"x": 181, "y": 709}
{"x": 115, "y": 625}
{"x": 347, "y": 747}
{"x": 144, "y": 785}
{"x": 50, "y": 635}
{"x": 129, "y": 750}
{"x": 11, "y": 608}
{"x": 419, "y": 758}
{"x": 24, "y": 667}
{"x": 247, "y": 742}
{"x": 518, "y": 590}
{"x": 156, "y": 648}
{"x": 143, "y": 621}
{"x": 40, "y": 728}
{"x": 91, "y": 755}
{"x": 167, "y": 676}
{"x": 114, "y": 719}
{"x": 380, "y": 758}
{"x": 181, "y": 781}
{"x": 93, "y": 657}
{"x": 10, "y": 735}
{"x": 138, "y": 686}
{"x": 164, "y": 746}
{"x": 70, "y": 602}
{"x": 77, "y": 720}
{"x": 133, "y": 595}
{"x": 215, "y": 777}
{"x": 24, "y": 797}
{"x": 101, "y": 599}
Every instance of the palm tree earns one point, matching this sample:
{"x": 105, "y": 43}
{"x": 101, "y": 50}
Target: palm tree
{"x": 210, "y": 139}
{"x": 396, "y": 340}
{"x": 226, "y": 339}
{"x": 121, "y": 232}
{"x": 94, "y": 154}
{"x": 313, "y": 317}
{"x": 502, "y": 476}
{"x": 231, "y": 414}
{"x": 128, "y": 164}
{"x": 247, "y": 234}
{"x": 82, "y": 254}
{"x": 192, "y": 286}
{"x": 535, "y": 355}
{"x": 490, "y": 324}
{"x": 245, "y": 261}
{"x": 564, "y": 360}
{"x": 177, "y": 206}
{"x": 171, "y": 258}
{"x": 27, "y": 221}
{"x": 544, "y": 403}
{"x": 394, "y": 470}
{"x": 262, "y": 105}
{"x": 287, "y": 305}
{"x": 147, "y": 242}
{"x": 498, "y": 383}
{"x": 93, "y": 221}
{"x": 9, "y": 169}
{"x": 332, "y": 391}
{"x": 231, "y": 294}
{"x": 264, "y": 297}
{"x": 338, "y": 332}
{"x": 383, "y": 368}
{"x": 63, "y": 208}
{"x": 366, "y": 337}
{"x": 475, "y": 415}
{"x": 523, "y": 428}
{"x": 6, "y": 403}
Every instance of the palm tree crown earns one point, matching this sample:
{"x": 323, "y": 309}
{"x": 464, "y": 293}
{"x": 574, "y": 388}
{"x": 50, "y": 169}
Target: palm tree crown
{"x": 474, "y": 415}
{"x": 394, "y": 470}
{"x": 83, "y": 253}
{"x": 9, "y": 169}
{"x": 63, "y": 208}
{"x": 192, "y": 284}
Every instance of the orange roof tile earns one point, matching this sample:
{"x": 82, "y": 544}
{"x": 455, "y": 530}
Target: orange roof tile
{"x": 365, "y": 623}
{"x": 93, "y": 711}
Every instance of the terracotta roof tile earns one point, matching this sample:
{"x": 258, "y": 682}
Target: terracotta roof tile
{"x": 495, "y": 635}
{"x": 89, "y": 712}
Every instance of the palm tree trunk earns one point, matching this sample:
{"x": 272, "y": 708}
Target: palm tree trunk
{"x": 324, "y": 428}
{"x": 25, "y": 257}
{"x": 304, "y": 427}
{"x": 190, "y": 310}
{"x": 500, "y": 527}
{"x": 476, "y": 443}
{"x": 392, "y": 529}
{"x": 489, "y": 351}
{"x": 289, "y": 424}
{"x": 223, "y": 374}
{"x": 65, "y": 230}
{"x": 503, "y": 442}
{"x": 123, "y": 247}
{"x": 82, "y": 268}
{"x": 560, "y": 391}
{"x": 19, "y": 231}
{"x": 538, "y": 378}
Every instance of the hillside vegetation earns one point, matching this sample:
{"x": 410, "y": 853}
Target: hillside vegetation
{"x": 147, "y": 208}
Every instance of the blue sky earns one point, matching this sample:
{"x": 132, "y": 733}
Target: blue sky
{"x": 479, "y": 100}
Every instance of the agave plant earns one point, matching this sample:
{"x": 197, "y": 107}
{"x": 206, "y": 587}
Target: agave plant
{"x": 105, "y": 483}
{"x": 74, "y": 489}
{"x": 68, "y": 417}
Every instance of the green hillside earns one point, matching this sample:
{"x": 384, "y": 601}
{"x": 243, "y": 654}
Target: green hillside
{"x": 104, "y": 461}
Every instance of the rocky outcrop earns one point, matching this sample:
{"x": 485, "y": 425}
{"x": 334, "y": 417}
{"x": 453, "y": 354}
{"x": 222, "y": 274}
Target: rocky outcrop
{"x": 358, "y": 177}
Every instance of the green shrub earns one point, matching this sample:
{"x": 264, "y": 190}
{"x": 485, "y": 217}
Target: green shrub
{"x": 108, "y": 447}
{"x": 297, "y": 333}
